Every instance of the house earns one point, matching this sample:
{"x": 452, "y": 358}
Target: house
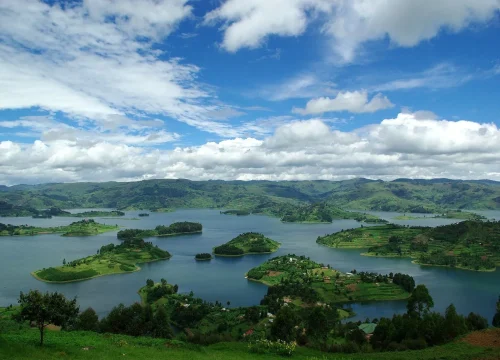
{"x": 349, "y": 274}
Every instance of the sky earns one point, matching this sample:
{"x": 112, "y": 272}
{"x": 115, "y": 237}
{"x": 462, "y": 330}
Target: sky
{"x": 125, "y": 90}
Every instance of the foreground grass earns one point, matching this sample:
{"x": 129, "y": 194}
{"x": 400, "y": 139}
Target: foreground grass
{"x": 92, "y": 346}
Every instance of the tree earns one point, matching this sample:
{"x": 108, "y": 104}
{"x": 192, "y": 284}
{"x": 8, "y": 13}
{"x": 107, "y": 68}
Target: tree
{"x": 161, "y": 324}
{"x": 150, "y": 283}
{"x": 420, "y": 301}
{"x": 163, "y": 282}
{"x": 317, "y": 324}
{"x": 454, "y": 324}
{"x": 45, "y": 309}
{"x": 228, "y": 303}
{"x": 252, "y": 314}
{"x": 283, "y": 327}
{"x": 176, "y": 288}
{"x": 64, "y": 261}
{"x": 87, "y": 320}
{"x": 496, "y": 318}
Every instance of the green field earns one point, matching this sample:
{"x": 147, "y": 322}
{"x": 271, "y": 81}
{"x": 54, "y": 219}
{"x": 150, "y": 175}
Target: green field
{"x": 331, "y": 285}
{"x": 22, "y": 345}
{"x": 470, "y": 245}
{"x": 247, "y": 243}
{"x": 110, "y": 260}
{"x": 78, "y": 228}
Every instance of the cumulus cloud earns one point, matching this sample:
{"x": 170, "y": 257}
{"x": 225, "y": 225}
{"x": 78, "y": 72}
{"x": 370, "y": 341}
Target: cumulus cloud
{"x": 95, "y": 60}
{"x": 355, "y": 102}
{"x": 409, "y": 145}
{"x": 349, "y": 23}
{"x": 304, "y": 85}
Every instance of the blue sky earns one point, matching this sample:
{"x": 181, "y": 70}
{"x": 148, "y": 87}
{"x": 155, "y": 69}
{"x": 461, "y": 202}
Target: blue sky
{"x": 248, "y": 89}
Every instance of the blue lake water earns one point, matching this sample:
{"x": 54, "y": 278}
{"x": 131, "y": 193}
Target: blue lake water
{"x": 223, "y": 278}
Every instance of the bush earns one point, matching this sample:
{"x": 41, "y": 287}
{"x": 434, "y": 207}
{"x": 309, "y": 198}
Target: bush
{"x": 278, "y": 347}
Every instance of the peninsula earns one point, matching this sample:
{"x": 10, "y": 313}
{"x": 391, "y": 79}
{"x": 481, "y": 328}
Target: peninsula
{"x": 247, "y": 243}
{"x": 301, "y": 281}
{"x": 470, "y": 245}
{"x": 110, "y": 259}
{"x": 78, "y": 228}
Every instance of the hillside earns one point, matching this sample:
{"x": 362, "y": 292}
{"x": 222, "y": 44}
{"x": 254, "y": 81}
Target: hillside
{"x": 77, "y": 228}
{"x": 471, "y": 245}
{"x": 266, "y": 197}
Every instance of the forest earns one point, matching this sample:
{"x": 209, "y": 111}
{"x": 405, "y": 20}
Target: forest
{"x": 247, "y": 243}
{"x": 174, "y": 229}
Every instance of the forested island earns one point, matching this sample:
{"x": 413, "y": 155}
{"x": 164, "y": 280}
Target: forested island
{"x": 236, "y": 212}
{"x": 325, "y": 213}
{"x": 178, "y": 228}
{"x": 110, "y": 259}
{"x": 78, "y": 228}
{"x": 452, "y": 214}
{"x": 247, "y": 243}
{"x": 143, "y": 214}
{"x": 203, "y": 256}
{"x": 299, "y": 280}
{"x": 470, "y": 245}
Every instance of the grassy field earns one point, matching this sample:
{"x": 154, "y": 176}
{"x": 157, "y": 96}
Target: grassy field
{"x": 470, "y": 245}
{"x": 78, "y": 228}
{"x": 120, "y": 259}
{"x": 247, "y": 243}
{"x": 21, "y": 345}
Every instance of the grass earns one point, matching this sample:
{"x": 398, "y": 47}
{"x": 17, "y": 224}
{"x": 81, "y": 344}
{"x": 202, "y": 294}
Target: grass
{"x": 78, "y": 228}
{"x": 116, "y": 261}
{"x": 21, "y": 345}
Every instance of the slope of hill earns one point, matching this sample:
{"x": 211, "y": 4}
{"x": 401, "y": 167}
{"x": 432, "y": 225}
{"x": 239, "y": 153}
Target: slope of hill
{"x": 402, "y": 195}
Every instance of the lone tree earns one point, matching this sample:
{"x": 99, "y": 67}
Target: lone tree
{"x": 496, "y": 318}
{"x": 45, "y": 309}
{"x": 420, "y": 301}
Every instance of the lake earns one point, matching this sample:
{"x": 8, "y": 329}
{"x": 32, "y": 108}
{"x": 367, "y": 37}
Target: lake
{"x": 223, "y": 279}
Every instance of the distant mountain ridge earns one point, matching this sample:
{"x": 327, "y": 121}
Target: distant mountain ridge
{"x": 405, "y": 195}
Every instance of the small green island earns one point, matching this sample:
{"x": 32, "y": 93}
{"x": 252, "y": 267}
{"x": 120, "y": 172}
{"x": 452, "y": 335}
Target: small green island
{"x": 203, "y": 257}
{"x": 143, "y": 214}
{"x": 175, "y": 229}
{"x": 469, "y": 245}
{"x": 236, "y": 212}
{"x": 303, "y": 282}
{"x": 78, "y": 228}
{"x": 110, "y": 259}
{"x": 247, "y": 243}
{"x": 322, "y": 213}
{"x": 454, "y": 214}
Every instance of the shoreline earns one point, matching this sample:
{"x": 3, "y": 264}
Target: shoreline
{"x": 137, "y": 268}
{"x": 179, "y": 234}
{"x": 454, "y": 267}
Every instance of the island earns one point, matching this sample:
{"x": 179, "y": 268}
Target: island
{"x": 175, "y": 229}
{"x": 78, "y": 228}
{"x": 203, "y": 257}
{"x": 110, "y": 259}
{"x": 324, "y": 213}
{"x": 7, "y": 209}
{"x": 469, "y": 245}
{"x": 454, "y": 214}
{"x": 247, "y": 243}
{"x": 236, "y": 212}
{"x": 304, "y": 282}
{"x": 143, "y": 214}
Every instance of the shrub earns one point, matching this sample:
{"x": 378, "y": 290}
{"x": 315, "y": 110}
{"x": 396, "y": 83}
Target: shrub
{"x": 278, "y": 347}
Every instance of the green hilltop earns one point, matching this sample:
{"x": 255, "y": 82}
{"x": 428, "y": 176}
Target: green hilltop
{"x": 247, "y": 243}
{"x": 470, "y": 245}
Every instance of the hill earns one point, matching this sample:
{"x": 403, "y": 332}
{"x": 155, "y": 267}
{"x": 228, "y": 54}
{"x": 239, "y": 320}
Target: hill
{"x": 247, "y": 243}
{"x": 402, "y": 195}
{"x": 299, "y": 280}
{"x": 77, "y": 228}
{"x": 471, "y": 245}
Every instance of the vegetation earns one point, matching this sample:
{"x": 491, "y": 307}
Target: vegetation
{"x": 178, "y": 228}
{"x": 94, "y": 213}
{"x": 324, "y": 213}
{"x": 203, "y": 256}
{"x": 110, "y": 259}
{"x": 45, "y": 309}
{"x": 78, "y": 228}
{"x": 496, "y": 317}
{"x": 247, "y": 243}
{"x": 236, "y": 212}
{"x": 471, "y": 245}
{"x": 462, "y": 215}
{"x": 266, "y": 197}
{"x": 301, "y": 281}
{"x": 143, "y": 214}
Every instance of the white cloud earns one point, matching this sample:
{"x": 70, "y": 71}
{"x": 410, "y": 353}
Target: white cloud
{"x": 350, "y": 23}
{"x": 301, "y": 86}
{"x": 407, "y": 146}
{"x": 76, "y": 60}
{"x": 355, "y": 102}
